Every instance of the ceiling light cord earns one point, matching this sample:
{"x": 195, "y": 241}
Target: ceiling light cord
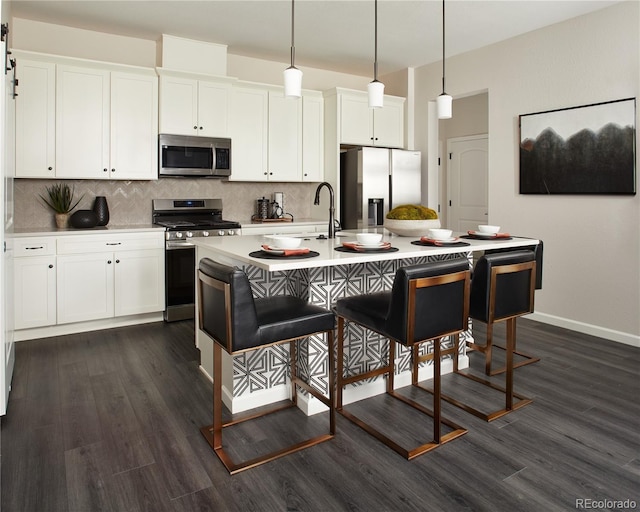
{"x": 444, "y": 102}
{"x": 375, "y": 88}
{"x": 292, "y": 75}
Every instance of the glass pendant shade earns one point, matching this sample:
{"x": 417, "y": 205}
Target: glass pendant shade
{"x": 376, "y": 94}
{"x": 292, "y": 82}
{"x": 445, "y": 106}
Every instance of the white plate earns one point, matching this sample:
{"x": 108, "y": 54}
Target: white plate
{"x": 443, "y": 240}
{"x": 377, "y": 245}
{"x": 484, "y": 235}
{"x": 280, "y": 252}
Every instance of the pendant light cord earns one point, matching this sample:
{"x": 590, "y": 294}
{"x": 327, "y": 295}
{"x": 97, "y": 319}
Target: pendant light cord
{"x": 443, "y": 25}
{"x": 375, "y": 49}
{"x": 293, "y": 48}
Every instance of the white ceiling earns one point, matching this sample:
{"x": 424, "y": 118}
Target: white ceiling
{"x": 330, "y": 34}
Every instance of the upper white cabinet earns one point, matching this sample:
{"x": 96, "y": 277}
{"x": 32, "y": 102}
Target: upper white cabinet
{"x": 36, "y": 120}
{"x": 312, "y": 137}
{"x": 285, "y": 138}
{"x": 134, "y": 126}
{"x": 83, "y": 119}
{"x": 82, "y": 122}
{"x": 194, "y": 107}
{"x": 248, "y": 126}
{"x": 275, "y": 138}
{"x": 361, "y": 125}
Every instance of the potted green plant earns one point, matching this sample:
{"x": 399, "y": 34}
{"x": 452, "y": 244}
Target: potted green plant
{"x": 60, "y": 199}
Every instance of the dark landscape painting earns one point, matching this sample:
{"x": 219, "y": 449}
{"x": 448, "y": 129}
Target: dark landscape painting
{"x": 580, "y": 150}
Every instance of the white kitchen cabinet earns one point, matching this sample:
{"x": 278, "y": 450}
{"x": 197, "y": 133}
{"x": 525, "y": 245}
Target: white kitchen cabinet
{"x": 139, "y": 282}
{"x": 361, "y": 125}
{"x": 248, "y": 128}
{"x": 194, "y": 107}
{"x": 134, "y": 126}
{"x": 106, "y": 124}
{"x": 82, "y": 122}
{"x": 285, "y": 138}
{"x": 85, "y": 287}
{"x": 312, "y": 138}
{"x": 36, "y": 120}
{"x": 102, "y": 276}
{"x": 34, "y": 282}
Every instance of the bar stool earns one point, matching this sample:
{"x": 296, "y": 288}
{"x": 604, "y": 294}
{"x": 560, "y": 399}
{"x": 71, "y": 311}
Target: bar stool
{"x": 502, "y": 289}
{"x": 486, "y": 349}
{"x": 236, "y": 322}
{"x": 426, "y": 303}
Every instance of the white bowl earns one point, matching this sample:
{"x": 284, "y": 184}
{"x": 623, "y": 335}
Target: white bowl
{"x": 440, "y": 234}
{"x": 285, "y": 242}
{"x": 369, "y": 238}
{"x": 411, "y": 227}
{"x": 488, "y": 229}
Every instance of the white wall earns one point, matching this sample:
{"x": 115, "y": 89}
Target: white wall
{"x": 592, "y": 243}
{"x": 86, "y": 44}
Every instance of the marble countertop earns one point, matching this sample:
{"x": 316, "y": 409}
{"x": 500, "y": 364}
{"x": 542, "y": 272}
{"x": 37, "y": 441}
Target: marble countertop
{"x": 236, "y": 249}
{"x": 52, "y": 231}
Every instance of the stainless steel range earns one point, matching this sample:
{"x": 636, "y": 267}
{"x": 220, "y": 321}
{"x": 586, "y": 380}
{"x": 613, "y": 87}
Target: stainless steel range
{"x": 186, "y": 219}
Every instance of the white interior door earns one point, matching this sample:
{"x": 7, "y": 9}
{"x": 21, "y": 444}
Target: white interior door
{"x": 467, "y": 170}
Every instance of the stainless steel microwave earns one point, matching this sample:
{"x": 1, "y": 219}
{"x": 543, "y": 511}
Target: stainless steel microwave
{"x": 195, "y": 157}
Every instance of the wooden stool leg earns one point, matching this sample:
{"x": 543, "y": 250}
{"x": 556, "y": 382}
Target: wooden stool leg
{"x": 217, "y": 396}
{"x": 340, "y": 364}
{"x": 487, "y": 349}
{"x": 437, "y": 403}
{"x": 511, "y": 337}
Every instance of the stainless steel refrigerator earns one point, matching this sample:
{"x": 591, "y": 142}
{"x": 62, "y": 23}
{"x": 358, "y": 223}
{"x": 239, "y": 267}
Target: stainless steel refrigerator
{"x": 375, "y": 180}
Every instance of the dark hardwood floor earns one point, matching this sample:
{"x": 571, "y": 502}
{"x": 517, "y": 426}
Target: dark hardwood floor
{"x": 109, "y": 421}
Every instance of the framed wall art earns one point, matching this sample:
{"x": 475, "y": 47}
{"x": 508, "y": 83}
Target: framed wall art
{"x": 588, "y": 149}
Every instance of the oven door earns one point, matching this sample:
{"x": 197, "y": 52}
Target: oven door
{"x": 180, "y": 279}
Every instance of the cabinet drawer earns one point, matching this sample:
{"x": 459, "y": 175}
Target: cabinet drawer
{"x": 82, "y": 244}
{"x": 41, "y": 246}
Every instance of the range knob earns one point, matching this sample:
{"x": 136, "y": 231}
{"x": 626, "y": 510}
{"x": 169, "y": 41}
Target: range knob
{"x": 205, "y": 233}
{"x": 178, "y": 235}
{"x": 231, "y": 232}
{"x": 221, "y": 232}
{"x": 189, "y": 234}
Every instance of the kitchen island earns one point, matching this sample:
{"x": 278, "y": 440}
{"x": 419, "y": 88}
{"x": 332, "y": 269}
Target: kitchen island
{"x": 260, "y": 377}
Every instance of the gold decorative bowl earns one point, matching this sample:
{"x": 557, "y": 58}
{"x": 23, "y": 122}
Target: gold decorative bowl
{"x": 410, "y": 227}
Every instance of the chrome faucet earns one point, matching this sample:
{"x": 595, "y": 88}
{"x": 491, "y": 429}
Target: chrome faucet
{"x": 332, "y": 209}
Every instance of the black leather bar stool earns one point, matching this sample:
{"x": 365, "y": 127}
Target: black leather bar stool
{"x": 486, "y": 349}
{"x": 502, "y": 289}
{"x": 237, "y": 322}
{"x": 426, "y": 303}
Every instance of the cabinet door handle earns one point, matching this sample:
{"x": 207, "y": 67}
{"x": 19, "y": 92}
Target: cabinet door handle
{"x": 34, "y": 248}
{"x": 105, "y": 170}
{"x": 201, "y": 127}
{"x": 113, "y": 170}
{"x": 195, "y": 127}
{"x": 50, "y": 266}
{"x": 117, "y": 261}
{"x": 114, "y": 243}
{"x": 109, "y": 262}
{"x": 50, "y": 168}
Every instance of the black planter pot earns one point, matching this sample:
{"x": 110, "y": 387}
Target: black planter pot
{"x": 101, "y": 209}
{"x": 83, "y": 219}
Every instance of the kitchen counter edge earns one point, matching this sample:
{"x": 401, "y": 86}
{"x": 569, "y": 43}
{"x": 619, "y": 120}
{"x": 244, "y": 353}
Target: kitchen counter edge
{"x": 44, "y": 231}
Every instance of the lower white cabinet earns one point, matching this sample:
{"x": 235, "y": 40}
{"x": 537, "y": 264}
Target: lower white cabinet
{"x": 102, "y": 285}
{"x": 81, "y": 278}
{"x": 34, "y": 279}
{"x": 35, "y": 291}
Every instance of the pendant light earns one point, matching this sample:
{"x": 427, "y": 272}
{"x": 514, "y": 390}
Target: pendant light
{"x": 376, "y": 88}
{"x": 292, "y": 75}
{"x": 444, "y": 101}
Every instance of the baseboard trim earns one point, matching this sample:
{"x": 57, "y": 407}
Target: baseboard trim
{"x": 93, "y": 325}
{"x": 593, "y": 330}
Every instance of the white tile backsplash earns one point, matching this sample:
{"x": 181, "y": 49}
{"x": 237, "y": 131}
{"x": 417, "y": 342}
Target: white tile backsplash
{"x": 130, "y": 201}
